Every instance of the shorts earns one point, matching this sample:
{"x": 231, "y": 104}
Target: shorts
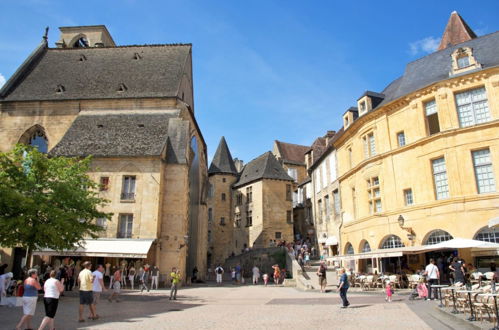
{"x": 29, "y": 305}
{"x": 86, "y": 297}
{"x": 96, "y": 296}
{"x": 322, "y": 281}
{"x": 50, "y": 306}
{"x": 117, "y": 287}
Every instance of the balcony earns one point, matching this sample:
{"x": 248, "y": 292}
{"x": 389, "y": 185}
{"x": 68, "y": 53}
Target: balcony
{"x": 128, "y": 197}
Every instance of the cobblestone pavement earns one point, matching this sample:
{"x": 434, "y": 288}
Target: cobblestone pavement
{"x": 236, "y": 307}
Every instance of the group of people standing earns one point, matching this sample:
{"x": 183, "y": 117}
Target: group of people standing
{"x": 237, "y": 275}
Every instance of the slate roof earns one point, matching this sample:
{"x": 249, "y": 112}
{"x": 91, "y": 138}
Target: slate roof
{"x": 130, "y": 135}
{"x": 265, "y": 166}
{"x": 222, "y": 162}
{"x": 456, "y": 31}
{"x": 292, "y": 153}
{"x": 436, "y": 66}
{"x": 98, "y": 73}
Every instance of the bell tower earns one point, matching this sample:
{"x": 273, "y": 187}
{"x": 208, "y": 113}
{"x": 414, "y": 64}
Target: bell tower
{"x": 85, "y": 36}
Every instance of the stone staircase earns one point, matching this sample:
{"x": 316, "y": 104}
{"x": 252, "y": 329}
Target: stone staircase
{"x": 307, "y": 279}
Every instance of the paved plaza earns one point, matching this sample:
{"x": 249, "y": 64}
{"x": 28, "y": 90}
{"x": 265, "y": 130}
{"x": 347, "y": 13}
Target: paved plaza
{"x": 245, "y": 307}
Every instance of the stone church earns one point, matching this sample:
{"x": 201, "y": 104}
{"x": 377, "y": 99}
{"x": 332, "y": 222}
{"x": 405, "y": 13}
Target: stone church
{"x": 132, "y": 108}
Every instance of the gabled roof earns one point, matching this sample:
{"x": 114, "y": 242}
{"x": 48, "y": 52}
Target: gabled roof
{"x": 265, "y": 166}
{"x": 126, "y": 135}
{"x": 99, "y": 73}
{"x": 456, "y": 32}
{"x": 222, "y": 162}
{"x": 292, "y": 153}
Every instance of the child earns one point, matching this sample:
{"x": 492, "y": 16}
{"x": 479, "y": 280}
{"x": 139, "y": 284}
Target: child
{"x": 422, "y": 289}
{"x": 389, "y": 291}
{"x": 233, "y": 274}
{"x": 266, "y": 278}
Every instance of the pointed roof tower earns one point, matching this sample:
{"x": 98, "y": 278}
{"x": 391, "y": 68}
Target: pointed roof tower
{"x": 222, "y": 162}
{"x": 456, "y": 32}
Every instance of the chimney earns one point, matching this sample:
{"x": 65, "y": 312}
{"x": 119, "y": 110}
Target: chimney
{"x": 239, "y": 164}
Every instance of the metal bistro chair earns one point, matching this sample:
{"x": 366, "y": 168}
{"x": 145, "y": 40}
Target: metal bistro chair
{"x": 368, "y": 283}
{"x": 476, "y": 277}
{"x": 395, "y": 280}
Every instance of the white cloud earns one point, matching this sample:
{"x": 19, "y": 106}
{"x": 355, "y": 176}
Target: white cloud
{"x": 2, "y": 80}
{"x": 426, "y": 45}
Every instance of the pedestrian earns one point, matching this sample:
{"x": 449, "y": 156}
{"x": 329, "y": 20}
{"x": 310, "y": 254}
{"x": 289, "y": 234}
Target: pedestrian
{"x": 154, "y": 276}
{"x": 343, "y": 288}
{"x": 388, "y": 291}
{"x": 458, "y": 270}
{"x": 30, "y": 296}
{"x": 194, "y": 277}
{"x": 69, "y": 278}
{"x": 116, "y": 286}
{"x": 62, "y": 276}
{"x": 238, "y": 273}
{"x": 321, "y": 273}
{"x": 144, "y": 279}
{"x": 265, "y": 279}
{"x": 131, "y": 276}
{"x": 97, "y": 287}
{"x": 123, "y": 276}
{"x": 52, "y": 288}
{"x": 422, "y": 289}
{"x": 219, "y": 271}
{"x": 85, "y": 279}
{"x": 233, "y": 275}
{"x": 175, "y": 278}
{"x": 4, "y": 280}
{"x": 256, "y": 274}
{"x": 277, "y": 274}
{"x": 307, "y": 259}
{"x": 432, "y": 275}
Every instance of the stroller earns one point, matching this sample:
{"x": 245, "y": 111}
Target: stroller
{"x": 420, "y": 291}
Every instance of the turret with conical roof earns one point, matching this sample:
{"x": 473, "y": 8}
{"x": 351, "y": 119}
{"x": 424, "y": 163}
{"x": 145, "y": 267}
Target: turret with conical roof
{"x": 456, "y": 32}
{"x": 222, "y": 162}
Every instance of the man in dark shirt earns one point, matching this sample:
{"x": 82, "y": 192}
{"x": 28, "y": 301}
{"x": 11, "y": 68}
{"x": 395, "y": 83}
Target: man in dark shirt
{"x": 343, "y": 287}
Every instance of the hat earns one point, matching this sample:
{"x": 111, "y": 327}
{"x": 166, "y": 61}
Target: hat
{"x": 9, "y": 275}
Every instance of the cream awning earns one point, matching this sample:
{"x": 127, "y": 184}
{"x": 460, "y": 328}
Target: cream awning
{"x": 105, "y": 247}
{"x": 331, "y": 240}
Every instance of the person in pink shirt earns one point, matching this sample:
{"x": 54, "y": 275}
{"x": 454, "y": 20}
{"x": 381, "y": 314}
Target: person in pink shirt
{"x": 389, "y": 291}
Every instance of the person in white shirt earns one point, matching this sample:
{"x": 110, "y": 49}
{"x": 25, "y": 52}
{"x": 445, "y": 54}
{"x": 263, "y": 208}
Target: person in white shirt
{"x": 219, "y": 271}
{"x": 432, "y": 276}
{"x": 98, "y": 286}
{"x": 256, "y": 274}
{"x": 53, "y": 289}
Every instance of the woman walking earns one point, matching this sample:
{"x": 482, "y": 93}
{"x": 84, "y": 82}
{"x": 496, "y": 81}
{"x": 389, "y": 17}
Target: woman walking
{"x": 131, "y": 276}
{"x": 53, "y": 289}
{"x": 31, "y": 287}
{"x": 277, "y": 274}
{"x": 321, "y": 273}
{"x": 458, "y": 270}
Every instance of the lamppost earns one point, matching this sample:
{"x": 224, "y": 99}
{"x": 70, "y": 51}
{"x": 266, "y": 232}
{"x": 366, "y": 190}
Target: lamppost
{"x": 411, "y": 234}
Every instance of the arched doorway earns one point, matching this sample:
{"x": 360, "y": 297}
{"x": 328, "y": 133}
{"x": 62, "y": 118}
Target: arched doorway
{"x": 350, "y": 263}
{"x": 392, "y": 265}
{"x": 366, "y": 265}
{"x": 441, "y": 257}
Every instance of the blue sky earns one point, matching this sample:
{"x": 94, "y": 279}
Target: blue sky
{"x": 263, "y": 70}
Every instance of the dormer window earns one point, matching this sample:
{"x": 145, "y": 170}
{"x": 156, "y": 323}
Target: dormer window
{"x": 82, "y": 58}
{"x": 137, "y": 56}
{"x": 463, "y": 61}
{"x": 60, "y": 89}
{"x": 81, "y": 43}
{"x": 122, "y": 88}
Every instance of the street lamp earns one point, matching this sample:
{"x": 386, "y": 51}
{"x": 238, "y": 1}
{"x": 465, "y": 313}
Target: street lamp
{"x": 411, "y": 234}
{"x": 401, "y": 221}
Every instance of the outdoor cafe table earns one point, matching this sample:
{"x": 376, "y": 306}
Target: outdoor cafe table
{"x": 469, "y": 292}
{"x": 495, "y": 305}
{"x": 452, "y": 288}
{"x": 439, "y": 288}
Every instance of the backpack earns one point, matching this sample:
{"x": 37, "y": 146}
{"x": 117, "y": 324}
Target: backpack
{"x": 219, "y": 270}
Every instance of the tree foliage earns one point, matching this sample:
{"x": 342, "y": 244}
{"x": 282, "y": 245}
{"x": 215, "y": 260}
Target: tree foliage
{"x": 47, "y": 202}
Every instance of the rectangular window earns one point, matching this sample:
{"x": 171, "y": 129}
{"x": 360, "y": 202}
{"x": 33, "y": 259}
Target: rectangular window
{"x": 319, "y": 210}
{"x": 249, "y": 194}
{"x": 278, "y": 235}
{"x": 223, "y": 196}
{"x": 432, "y": 117}
{"x": 354, "y": 203}
{"x": 472, "y": 107}
{"x": 102, "y": 222}
{"x": 369, "y": 145}
{"x": 401, "y": 138}
{"x": 222, "y": 221}
{"x": 408, "y": 199}
{"x": 237, "y": 220}
{"x": 440, "y": 178}
{"x": 239, "y": 199}
{"x": 289, "y": 195}
{"x": 374, "y": 195}
{"x": 249, "y": 219}
{"x": 210, "y": 214}
{"x": 327, "y": 208}
{"x": 289, "y": 217}
{"x": 323, "y": 175}
{"x": 125, "y": 226}
{"x": 128, "y": 189}
{"x": 317, "y": 180}
{"x": 211, "y": 190}
{"x": 484, "y": 173}
{"x": 332, "y": 167}
{"x": 104, "y": 183}
{"x": 336, "y": 201}
{"x": 463, "y": 62}
{"x": 209, "y": 236}
{"x": 292, "y": 172}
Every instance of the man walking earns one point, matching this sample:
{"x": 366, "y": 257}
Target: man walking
{"x": 116, "y": 285}
{"x": 144, "y": 279}
{"x": 219, "y": 271}
{"x": 85, "y": 279}
{"x": 175, "y": 276}
{"x": 343, "y": 287}
{"x": 256, "y": 274}
{"x": 432, "y": 274}
{"x": 97, "y": 286}
{"x": 154, "y": 276}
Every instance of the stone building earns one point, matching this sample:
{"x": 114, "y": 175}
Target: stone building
{"x": 247, "y": 209}
{"x": 417, "y": 163}
{"x": 132, "y": 109}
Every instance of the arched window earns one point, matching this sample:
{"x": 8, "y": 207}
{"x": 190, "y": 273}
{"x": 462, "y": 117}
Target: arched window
{"x": 391, "y": 242}
{"x": 36, "y": 137}
{"x": 366, "y": 247}
{"x": 487, "y": 234}
{"x": 349, "y": 249}
{"x": 81, "y": 42}
{"x": 438, "y": 236}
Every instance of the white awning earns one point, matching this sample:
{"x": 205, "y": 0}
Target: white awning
{"x": 464, "y": 243}
{"x": 494, "y": 222}
{"x": 331, "y": 240}
{"x": 105, "y": 247}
